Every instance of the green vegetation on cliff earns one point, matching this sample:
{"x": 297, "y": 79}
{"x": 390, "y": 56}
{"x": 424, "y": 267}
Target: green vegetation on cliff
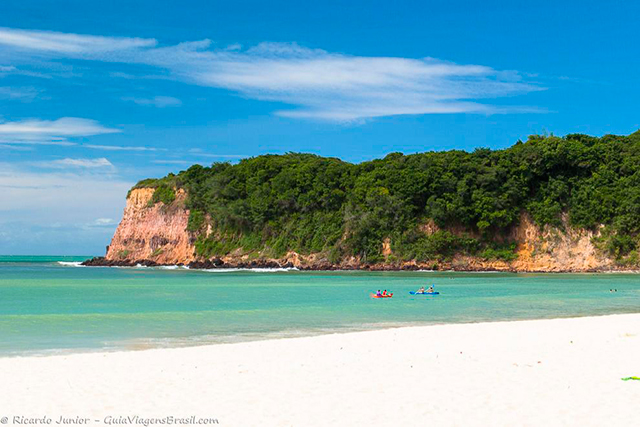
{"x": 307, "y": 203}
{"x": 163, "y": 193}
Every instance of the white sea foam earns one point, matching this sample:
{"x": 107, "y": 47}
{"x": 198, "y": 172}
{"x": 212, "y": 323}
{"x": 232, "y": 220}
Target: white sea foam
{"x": 254, "y": 270}
{"x": 71, "y": 263}
{"x": 270, "y": 270}
{"x": 174, "y": 267}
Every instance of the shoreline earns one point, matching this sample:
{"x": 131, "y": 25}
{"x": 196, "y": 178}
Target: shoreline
{"x": 278, "y": 336}
{"x": 276, "y": 265}
{"x": 528, "y": 372}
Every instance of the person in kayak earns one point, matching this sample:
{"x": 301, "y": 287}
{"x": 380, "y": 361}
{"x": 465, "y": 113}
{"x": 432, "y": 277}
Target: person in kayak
{"x": 430, "y": 290}
{"x": 420, "y": 291}
{"x": 378, "y": 294}
{"x": 384, "y": 293}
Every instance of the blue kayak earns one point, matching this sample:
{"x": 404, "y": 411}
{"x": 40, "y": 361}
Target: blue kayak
{"x": 424, "y": 293}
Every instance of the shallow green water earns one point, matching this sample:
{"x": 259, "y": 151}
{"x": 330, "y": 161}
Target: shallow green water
{"x": 47, "y": 306}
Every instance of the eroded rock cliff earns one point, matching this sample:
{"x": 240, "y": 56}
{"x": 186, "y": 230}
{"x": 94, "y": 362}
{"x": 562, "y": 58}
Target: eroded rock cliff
{"x": 546, "y": 249}
{"x": 156, "y": 234}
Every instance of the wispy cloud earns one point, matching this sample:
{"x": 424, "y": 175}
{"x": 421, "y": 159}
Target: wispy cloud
{"x": 171, "y": 162}
{"x": 50, "y": 132}
{"x": 316, "y": 83}
{"x": 24, "y": 94}
{"x": 46, "y": 210}
{"x": 21, "y": 142}
{"x": 102, "y": 222}
{"x": 67, "y": 163}
{"x": 157, "y": 101}
{"x": 66, "y": 192}
{"x": 121, "y": 75}
{"x": 119, "y": 148}
{"x": 50, "y": 41}
{"x": 198, "y": 152}
{"x": 4, "y": 146}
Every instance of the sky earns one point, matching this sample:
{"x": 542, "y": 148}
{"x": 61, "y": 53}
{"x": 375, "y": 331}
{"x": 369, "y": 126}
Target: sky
{"x": 95, "y": 96}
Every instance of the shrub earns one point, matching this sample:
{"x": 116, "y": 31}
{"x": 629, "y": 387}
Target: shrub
{"x": 164, "y": 194}
{"x": 196, "y": 220}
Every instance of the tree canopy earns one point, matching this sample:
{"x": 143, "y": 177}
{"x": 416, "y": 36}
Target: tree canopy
{"x": 307, "y": 203}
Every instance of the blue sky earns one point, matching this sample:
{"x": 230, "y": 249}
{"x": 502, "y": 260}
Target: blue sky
{"x": 95, "y": 96}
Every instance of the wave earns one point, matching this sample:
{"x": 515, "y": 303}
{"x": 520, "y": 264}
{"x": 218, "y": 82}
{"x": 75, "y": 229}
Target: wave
{"x": 253, "y": 270}
{"x": 184, "y": 267}
{"x": 70, "y": 263}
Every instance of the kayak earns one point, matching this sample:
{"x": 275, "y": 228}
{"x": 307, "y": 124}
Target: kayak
{"x": 424, "y": 293}
{"x": 381, "y": 296}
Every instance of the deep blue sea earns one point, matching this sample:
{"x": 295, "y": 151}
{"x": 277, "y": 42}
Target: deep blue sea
{"x": 51, "y": 305}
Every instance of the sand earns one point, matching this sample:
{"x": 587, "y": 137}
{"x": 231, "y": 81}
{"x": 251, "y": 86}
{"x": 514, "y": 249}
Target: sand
{"x": 538, "y": 373}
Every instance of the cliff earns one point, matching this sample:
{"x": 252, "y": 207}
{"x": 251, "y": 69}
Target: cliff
{"x": 547, "y": 204}
{"x": 156, "y": 234}
{"x": 547, "y": 249}
{"x": 152, "y": 231}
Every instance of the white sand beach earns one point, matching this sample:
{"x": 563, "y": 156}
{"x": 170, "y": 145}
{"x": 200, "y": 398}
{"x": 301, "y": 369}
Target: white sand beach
{"x": 534, "y": 373}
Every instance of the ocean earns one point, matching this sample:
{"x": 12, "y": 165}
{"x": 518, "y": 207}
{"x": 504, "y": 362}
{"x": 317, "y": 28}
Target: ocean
{"x": 53, "y": 305}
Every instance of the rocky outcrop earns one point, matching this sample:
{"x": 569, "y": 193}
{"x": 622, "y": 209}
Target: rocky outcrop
{"x": 552, "y": 249}
{"x": 152, "y": 232}
{"x": 156, "y": 234}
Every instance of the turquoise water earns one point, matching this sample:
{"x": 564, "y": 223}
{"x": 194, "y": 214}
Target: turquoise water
{"x": 46, "y": 306}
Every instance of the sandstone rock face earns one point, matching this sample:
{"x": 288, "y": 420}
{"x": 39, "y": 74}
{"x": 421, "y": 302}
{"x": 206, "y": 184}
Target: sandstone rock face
{"x": 156, "y": 234}
{"x": 551, "y": 249}
{"x": 153, "y": 232}
{"x": 538, "y": 250}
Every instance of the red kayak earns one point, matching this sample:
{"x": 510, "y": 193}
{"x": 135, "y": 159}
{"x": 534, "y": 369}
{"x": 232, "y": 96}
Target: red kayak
{"x": 381, "y": 296}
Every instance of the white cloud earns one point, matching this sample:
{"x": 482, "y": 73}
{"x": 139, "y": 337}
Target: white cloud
{"x": 64, "y": 193}
{"x": 340, "y": 87}
{"x": 15, "y": 147}
{"x": 222, "y": 156}
{"x": 158, "y": 101}
{"x": 77, "y": 163}
{"x": 50, "y": 132}
{"x": 66, "y": 126}
{"x": 19, "y": 142}
{"x": 104, "y": 221}
{"x": 50, "y": 41}
{"x": 33, "y": 202}
{"x": 171, "y": 162}
{"x": 122, "y": 75}
{"x": 198, "y": 152}
{"x": 24, "y": 94}
{"x": 318, "y": 84}
{"x": 118, "y": 148}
